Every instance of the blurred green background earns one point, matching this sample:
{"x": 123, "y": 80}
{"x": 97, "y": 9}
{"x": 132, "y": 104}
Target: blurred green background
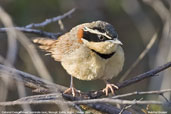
{"x": 135, "y": 22}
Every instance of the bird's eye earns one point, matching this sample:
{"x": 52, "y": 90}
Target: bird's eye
{"x": 101, "y": 37}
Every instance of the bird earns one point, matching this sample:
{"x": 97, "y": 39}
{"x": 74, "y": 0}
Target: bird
{"x": 89, "y": 51}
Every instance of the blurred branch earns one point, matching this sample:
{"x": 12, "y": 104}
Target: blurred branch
{"x": 44, "y": 86}
{"x": 142, "y": 93}
{"x": 56, "y": 100}
{"x": 28, "y": 28}
{"x": 10, "y": 60}
{"x": 164, "y": 48}
{"x": 51, "y": 20}
{"x": 145, "y": 75}
{"x": 20, "y": 86}
{"x": 104, "y": 108}
{"x": 141, "y": 56}
{"x": 41, "y": 85}
{"x": 119, "y": 101}
{"x": 128, "y": 106}
{"x": 160, "y": 8}
{"x": 38, "y": 63}
{"x": 33, "y": 31}
{"x": 31, "y": 81}
{"x": 151, "y": 73}
{"x": 11, "y": 37}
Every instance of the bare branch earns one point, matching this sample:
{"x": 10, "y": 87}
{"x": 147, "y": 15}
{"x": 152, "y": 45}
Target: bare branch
{"x": 46, "y": 87}
{"x": 33, "y": 82}
{"x": 56, "y": 99}
{"x": 43, "y": 86}
{"x": 145, "y": 75}
{"x": 50, "y": 20}
{"x": 79, "y": 109}
{"x": 160, "y": 8}
{"x": 108, "y": 108}
{"x": 128, "y": 106}
{"x": 28, "y": 28}
{"x": 33, "y": 31}
{"x": 141, "y": 56}
{"x": 151, "y": 73}
{"x": 142, "y": 93}
{"x": 38, "y": 63}
{"x": 84, "y": 102}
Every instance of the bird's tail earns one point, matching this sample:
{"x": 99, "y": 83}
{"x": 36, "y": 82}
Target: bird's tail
{"x": 44, "y": 43}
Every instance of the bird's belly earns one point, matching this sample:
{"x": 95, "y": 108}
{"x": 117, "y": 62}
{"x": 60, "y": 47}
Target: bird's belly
{"x": 84, "y": 64}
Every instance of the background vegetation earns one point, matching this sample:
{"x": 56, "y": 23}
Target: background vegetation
{"x": 135, "y": 21}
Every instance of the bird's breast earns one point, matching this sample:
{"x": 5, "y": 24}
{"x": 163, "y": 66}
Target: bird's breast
{"x": 85, "y": 64}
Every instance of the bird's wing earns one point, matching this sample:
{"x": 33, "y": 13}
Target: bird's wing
{"x": 56, "y": 48}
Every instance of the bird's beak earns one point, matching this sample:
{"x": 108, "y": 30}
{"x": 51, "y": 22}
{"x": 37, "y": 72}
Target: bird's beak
{"x": 115, "y": 41}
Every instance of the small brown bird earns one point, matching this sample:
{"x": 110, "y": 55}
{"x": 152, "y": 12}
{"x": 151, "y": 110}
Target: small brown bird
{"x": 89, "y": 51}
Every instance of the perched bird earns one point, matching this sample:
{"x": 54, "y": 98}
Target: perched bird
{"x": 88, "y": 51}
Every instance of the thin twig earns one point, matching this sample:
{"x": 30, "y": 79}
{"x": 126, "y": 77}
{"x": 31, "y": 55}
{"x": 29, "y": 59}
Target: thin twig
{"x": 56, "y": 99}
{"x": 38, "y": 63}
{"x": 141, "y": 56}
{"x": 159, "y": 8}
{"x": 142, "y": 93}
{"x": 78, "y": 108}
{"x": 128, "y": 106}
{"x": 84, "y": 102}
{"x": 50, "y": 20}
{"x": 164, "y": 48}
{"x": 31, "y": 81}
{"x": 145, "y": 75}
{"x": 37, "y": 83}
{"x": 54, "y": 96}
{"x": 164, "y": 97}
{"x": 29, "y": 28}
{"x": 33, "y": 31}
{"x": 108, "y": 108}
{"x": 151, "y": 73}
{"x": 11, "y": 58}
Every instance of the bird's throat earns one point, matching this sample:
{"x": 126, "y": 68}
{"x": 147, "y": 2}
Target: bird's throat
{"x": 104, "y": 56}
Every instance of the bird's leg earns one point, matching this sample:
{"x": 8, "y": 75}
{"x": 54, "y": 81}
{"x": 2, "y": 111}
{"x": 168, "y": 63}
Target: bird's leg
{"x": 71, "y": 89}
{"x": 109, "y": 87}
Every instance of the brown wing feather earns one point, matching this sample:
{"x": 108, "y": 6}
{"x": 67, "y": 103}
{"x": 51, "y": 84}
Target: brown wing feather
{"x": 56, "y": 48}
{"x": 48, "y": 45}
{"x": 61, "y": 47}
{"x": 43, "y": 41}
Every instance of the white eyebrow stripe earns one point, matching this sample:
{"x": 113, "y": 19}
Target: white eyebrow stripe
{"x": 96, "y": 32}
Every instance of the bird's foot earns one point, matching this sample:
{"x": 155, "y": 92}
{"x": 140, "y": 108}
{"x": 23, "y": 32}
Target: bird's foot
{"x": 110, "y": 87}
{"x": 72, "y": 91}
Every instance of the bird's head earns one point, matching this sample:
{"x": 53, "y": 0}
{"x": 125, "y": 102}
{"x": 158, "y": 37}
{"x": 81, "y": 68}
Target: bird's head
{"x": 99, "y": 36}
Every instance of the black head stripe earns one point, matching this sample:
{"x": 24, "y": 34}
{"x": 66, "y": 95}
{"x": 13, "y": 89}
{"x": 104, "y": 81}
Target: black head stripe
{"x": 99, "y": 29}
{"x": 91, "y": 37}
{"x": 104, "y": 56}
{"x": 94, "y": 37}
{"x": 100, "y": 35}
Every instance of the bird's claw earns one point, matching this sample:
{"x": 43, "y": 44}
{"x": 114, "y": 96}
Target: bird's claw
{"x": 72, "y": 91}
{"x": 111, "y": 88}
